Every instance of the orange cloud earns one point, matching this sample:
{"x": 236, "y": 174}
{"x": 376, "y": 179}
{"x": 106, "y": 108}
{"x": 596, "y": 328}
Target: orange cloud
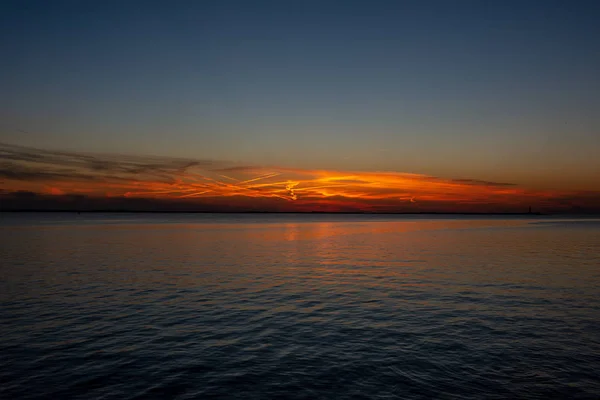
{"x": 266, "y": 188}
{"x": 55, "y": 191}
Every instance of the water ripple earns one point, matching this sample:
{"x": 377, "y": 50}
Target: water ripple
{"x": 359, "y": 310}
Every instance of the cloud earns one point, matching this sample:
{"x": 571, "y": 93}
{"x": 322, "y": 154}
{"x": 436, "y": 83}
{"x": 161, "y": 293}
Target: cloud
{"x": 152, "y": 182}
{"x": 18, "y": 171}
{"x": 483, "y": 183}
{"x": 27, "y": 200}
{"x": 20, "y": 162}
{"x": 241, "y": 168}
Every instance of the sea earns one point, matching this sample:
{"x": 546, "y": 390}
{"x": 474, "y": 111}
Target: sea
{"x": 298, "y": 306}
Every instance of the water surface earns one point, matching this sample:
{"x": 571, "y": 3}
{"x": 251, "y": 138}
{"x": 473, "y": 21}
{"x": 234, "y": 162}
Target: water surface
{"x": 298, "y": 306}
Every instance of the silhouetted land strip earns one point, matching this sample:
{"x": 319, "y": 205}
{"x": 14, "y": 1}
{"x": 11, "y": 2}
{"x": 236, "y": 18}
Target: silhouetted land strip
{"x": 270, "y": 212}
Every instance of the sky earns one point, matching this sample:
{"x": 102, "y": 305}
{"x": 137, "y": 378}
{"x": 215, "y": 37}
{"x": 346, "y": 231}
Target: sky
{"x": 393, "y": 105}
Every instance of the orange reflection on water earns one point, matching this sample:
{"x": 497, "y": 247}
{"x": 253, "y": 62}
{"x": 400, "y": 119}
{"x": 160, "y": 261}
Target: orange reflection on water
{"x": 411, "y": 263}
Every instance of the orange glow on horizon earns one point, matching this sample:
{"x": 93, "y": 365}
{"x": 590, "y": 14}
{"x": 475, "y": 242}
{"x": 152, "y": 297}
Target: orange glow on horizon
{"x": 311, "y": 190}
{"x": 164, "y": 182}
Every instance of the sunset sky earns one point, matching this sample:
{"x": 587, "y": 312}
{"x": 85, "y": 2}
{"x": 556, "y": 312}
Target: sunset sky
{"x": 475, "y": 106}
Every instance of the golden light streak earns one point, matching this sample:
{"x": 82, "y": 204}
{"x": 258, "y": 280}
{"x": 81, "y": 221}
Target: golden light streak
{"x": 291, "y": 191}
{"x": 318, "y": 187}
{"x": 260, "y": 178}
{"x": 162, "y": 191}
{"x": 228, "y": 177}
{"x": 297, "y": 189}
{"x": 194, "y": 194}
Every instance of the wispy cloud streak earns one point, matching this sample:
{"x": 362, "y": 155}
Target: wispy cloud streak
{"x": 25, "y": 169}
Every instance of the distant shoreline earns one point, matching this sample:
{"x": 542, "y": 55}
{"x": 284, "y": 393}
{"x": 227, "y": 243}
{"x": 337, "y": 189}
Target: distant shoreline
{"x": 271, "y": 212}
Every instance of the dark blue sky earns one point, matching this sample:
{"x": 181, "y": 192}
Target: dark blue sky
{"x": 505, "y": 90}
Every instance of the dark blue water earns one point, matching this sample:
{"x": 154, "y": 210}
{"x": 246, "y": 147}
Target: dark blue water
{"x": 300, "y": 307}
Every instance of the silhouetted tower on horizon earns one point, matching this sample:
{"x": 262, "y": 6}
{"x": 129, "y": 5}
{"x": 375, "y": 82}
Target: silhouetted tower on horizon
{"x": 529, "y": 209}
